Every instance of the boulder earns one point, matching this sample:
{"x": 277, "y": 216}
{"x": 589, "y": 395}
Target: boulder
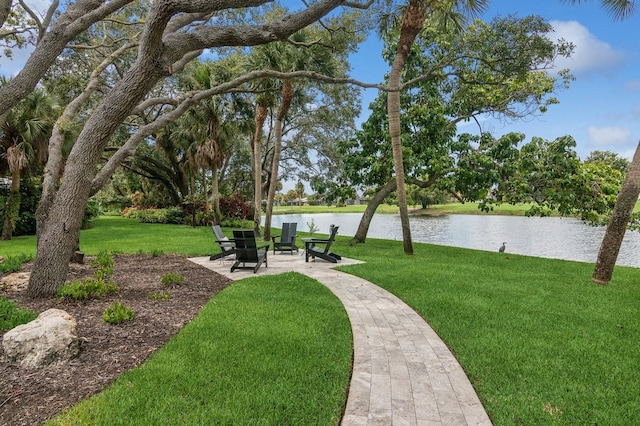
{"x": 51, "y": 337}
{"x": 16, "y": 281}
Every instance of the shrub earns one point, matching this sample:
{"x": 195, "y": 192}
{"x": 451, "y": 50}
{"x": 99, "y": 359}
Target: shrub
{"x": 130, "y": 212}
{"x": 159, "y": 295}
{"x": 13, "y": 263}
{"x": 205, "y": 217}
{"x": 105, "y": 263}
{"x": 87, "y": 289}
{"x": 172, "y": 279}
{"x": 173, "y": 215}
{"x": 12, "y": 315}
{"x": 237, "y": 224}
{"x": 118, "y": 313}
{"x": 92, "y": 210}
{"x": 235, "y": 207}
{"x": 30, "y": 192}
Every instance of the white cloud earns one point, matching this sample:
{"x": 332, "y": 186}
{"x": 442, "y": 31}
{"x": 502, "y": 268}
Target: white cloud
{"x": 590, "y": 53}
{"x": 608, "y": 136}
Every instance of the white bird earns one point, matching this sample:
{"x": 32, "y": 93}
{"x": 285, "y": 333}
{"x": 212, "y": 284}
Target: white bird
{"x": 502, "y": 248}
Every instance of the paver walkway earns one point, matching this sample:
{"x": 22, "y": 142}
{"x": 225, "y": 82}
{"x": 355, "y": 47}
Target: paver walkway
{"x": 403, "y": 374}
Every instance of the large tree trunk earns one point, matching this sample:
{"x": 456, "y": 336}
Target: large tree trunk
{"x": 61, "y": 232}
{"x": 287, "y": 98}
{"x": 367, "y": 216}
{"x": 617, "y": 226}
{"x": 54, "y": 160}
{"x": 12, "y": 207}
{"x": 412, "y": 21}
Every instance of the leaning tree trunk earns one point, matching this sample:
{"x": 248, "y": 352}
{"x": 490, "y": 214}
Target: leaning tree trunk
{"x": 412, "y": 21}
{"x": 287, "y": 97}
{"x": 367, "y": 216}
{"x": 261, "y": 116}
{"x": 61, "y": 231}
{"x": 51, "y": 173}
{"x": 617, "y": 226}
{"x": 54, "y": 160}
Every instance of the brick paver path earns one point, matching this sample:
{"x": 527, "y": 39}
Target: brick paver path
{"x": 403, "y": 373}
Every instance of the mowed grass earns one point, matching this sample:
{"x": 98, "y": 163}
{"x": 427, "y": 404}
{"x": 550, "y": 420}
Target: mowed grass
{"x": 115, "y": 234}
{"x": 266, "y": 351}
{"x": 540, "y": 342}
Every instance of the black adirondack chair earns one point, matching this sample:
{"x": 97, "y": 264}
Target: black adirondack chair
{"x": 227, "y": 247}
{"x": 313, "y": 249}
{"x": 248, "y": 252}
{"x": 287, "y": 240}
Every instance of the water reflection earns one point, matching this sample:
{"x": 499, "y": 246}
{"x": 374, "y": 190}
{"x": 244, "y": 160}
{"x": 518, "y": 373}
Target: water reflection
{"x": 553, "y": 237}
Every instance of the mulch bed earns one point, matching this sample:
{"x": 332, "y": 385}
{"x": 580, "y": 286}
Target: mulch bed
{"x": 29, "y": 397}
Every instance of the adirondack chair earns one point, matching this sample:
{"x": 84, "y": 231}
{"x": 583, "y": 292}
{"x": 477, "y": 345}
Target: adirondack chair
{"x": 227, "y": 247}
{"x": 287, "y": 240}
{"x": 247, "y": 251}
{"x": 312, "y": 249}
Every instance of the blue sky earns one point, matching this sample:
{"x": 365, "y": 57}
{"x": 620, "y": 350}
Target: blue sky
{"x": 601, "y": 109}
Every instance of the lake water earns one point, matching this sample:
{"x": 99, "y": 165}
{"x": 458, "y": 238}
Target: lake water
{"x": 552, "y": 237}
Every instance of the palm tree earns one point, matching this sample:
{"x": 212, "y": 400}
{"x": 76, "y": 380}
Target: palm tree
{"x": 24, "y": 133}
{"x": 263, "y": 103}
{"x": 414, "y": 16}
{"x": 287, "y": 57}
{"x": 214, "y": 125}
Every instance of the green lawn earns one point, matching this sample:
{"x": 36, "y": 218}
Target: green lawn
{"x": 267, "y": 350}
{"x": 540, "y": 342}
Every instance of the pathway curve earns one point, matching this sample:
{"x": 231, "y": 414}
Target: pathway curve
{"x": 403, "y": 373}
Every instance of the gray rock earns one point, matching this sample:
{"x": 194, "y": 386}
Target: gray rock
{"x": 52, "y": 337}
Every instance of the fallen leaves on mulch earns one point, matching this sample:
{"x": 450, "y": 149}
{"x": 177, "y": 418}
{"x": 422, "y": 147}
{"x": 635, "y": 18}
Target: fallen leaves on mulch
{"x": 29, "y": 397}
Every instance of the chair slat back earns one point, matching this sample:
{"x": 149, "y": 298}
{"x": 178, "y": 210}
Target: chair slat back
{"x": 217, "y": 231}
{"x": 332, "y": 237}
{"x": 288, "y": 232}
{"x": 246, "y": 246}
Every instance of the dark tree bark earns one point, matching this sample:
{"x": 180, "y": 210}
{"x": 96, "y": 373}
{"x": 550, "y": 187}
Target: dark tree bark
{"x": 617, "y": 226}
{"x": 367, "y": 216}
